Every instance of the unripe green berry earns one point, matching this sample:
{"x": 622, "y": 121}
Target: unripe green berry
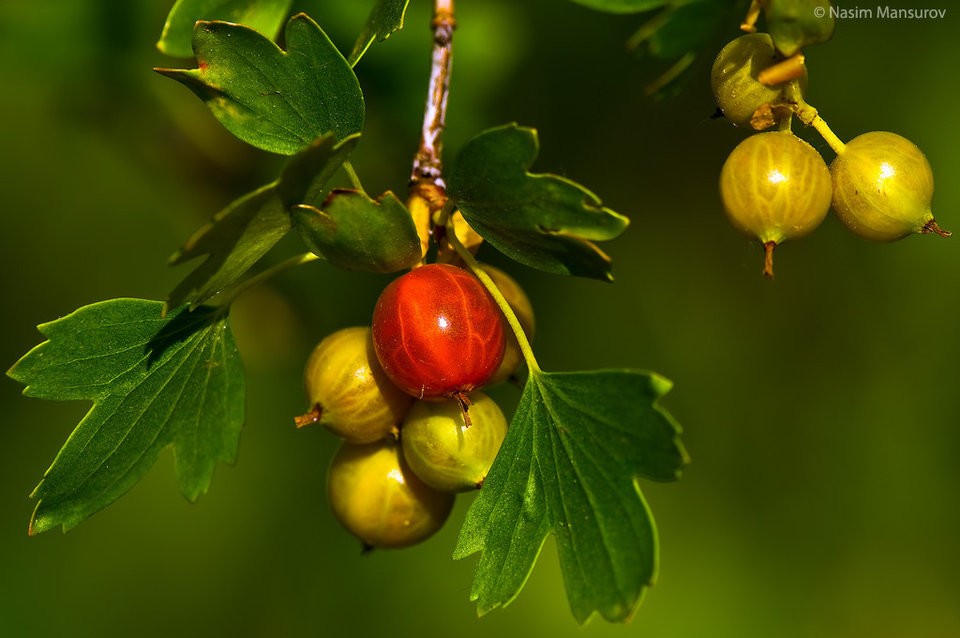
{"x": 775, "y": 187}
{"x": 882, "y": 187}
{"x": 735, "y": 78}
{"x": 446, "y": 452}
{"x": 348, "y": 391}
{"x": 379, "y": 500}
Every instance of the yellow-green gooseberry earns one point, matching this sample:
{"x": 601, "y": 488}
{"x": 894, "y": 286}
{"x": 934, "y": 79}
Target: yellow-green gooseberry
{"x": 376, "y": 497}
{"x": 444, "y": 450}
{"x": 775, "y": 187}
{"x": 349, "y": 392}
{"x": 882, "y": 187}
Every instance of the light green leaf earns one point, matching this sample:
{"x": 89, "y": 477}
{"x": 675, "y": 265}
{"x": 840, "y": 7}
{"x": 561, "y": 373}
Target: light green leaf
{"x": 279, "y": 101}
{"x": 355, "y": 232}
{"x": 569, "y": 465}
{"x": 264, "y": 16}
{"x": 385, "y": 18}
{"x": 154, "y": 381}
{"x": 236, "y": 238}
{"x": 622, "y": 6}
{"x": 544, "y": 221}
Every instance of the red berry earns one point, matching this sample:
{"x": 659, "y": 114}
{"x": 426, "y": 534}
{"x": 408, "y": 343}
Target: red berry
{"x": 437, "y": 332}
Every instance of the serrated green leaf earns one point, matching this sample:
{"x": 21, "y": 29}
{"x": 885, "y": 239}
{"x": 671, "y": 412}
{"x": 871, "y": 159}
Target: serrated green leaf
{"x": 385, "y": 18}
{"x": 304, "y": 177}
{"x": 794, "y": 24}
{"x": 264, "y": 16}
{"x": 154, "y": 381}
{"x": 622, "y": 6}
{"x": 544, "y": 221}
{"x": 355, "y": 232}
{"x": 279, "y": 101}
{"x": 576, "y": 445}
{"x": 236, "y": 238}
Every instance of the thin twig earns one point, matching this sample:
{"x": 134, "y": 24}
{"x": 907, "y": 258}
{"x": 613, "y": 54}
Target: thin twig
{"x": 426, "y": 178}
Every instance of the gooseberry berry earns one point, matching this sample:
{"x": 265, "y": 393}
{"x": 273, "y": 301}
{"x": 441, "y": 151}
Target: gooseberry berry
{"x": 882, "y": 187}
{"x": 348, "y": 391}
{"x": 775, "y": 187}
{"x": 735, "y": 78}
{"x": 379, "y": 500}
{"x": 444, "y": 451}
{"x": 521, "y": 306}
{"x": 437, "y": 332}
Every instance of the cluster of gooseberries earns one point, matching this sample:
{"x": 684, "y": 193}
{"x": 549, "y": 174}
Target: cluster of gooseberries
{"x": 405, "y": 396}
{"x": 774, "y": 185}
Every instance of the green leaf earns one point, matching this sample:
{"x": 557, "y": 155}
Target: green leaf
{"x": 680, "y": 31}
{"x": 279, "y": 101}
{"x": 794, "y": 24}
{"x": 304, "y": 177}
{"x": 154, "y": 381}
{"x": 357, "y": 233}
{"x": 265, "y": 16}
{"x": 622, "y": 6}
{"x": 569, "y": 464}
{"x": 236, "y": 238}
{"x": 385, "y": 18}
{"x": 544, "y": 221}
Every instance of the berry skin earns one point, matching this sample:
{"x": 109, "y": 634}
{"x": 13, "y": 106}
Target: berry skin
{"x": 379, "y": 500}
{"x": 882, "y": 187}
{"x": 775, "y": 187}
{"x": 437, "y": 332}
{"x": 348, "y": 391}
{"x": 735, "y": 78}
{"x": 521, "y": 306}
{"x": 446, "y": 453}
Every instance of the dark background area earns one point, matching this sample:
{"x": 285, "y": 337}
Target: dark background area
{"x": 821, "y": 409}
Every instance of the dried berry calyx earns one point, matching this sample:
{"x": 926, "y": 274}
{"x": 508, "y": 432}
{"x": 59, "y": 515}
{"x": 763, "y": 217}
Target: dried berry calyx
{"x": 444, "y": 451}
{"x": 379, "y": 500}
{"x": 438, "y": 332}
{"x": 883, "y": 187}
{"x": 348, "y": 391}
{"x": 735, "y": 80}
{"x": 775, "y": 187}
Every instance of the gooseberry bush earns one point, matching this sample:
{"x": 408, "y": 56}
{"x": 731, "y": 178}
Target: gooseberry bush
{"x": 406, "y": 393}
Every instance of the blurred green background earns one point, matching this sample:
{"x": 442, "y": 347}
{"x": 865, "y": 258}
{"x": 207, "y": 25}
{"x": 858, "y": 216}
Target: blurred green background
{"x": 821, "y": 409}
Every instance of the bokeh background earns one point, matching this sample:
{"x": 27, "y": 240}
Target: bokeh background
{"x": 821, "y": 409}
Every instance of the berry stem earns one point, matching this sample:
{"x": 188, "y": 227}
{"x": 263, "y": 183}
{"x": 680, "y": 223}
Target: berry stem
{"x": 809, "y": 116}
{"x": 491, "y": 287}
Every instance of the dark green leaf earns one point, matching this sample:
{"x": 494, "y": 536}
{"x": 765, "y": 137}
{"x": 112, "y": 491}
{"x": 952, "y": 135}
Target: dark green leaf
{"x": 385, "y": 18}
{"x": 154, "y": 381}
{"x": 543, "y": 221}
{"x": 279, "y": 101}
{"x": 794, "y": 24}
{"x": 265, "y": 16}
{"x": 576, "y": 445}
{"x": 357, "y": 233}
{"x": 680, "y": 31}
{"x": 236, "y": 238}
{"x": 305, "y": 176}
{"x": 622, "y": 6}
